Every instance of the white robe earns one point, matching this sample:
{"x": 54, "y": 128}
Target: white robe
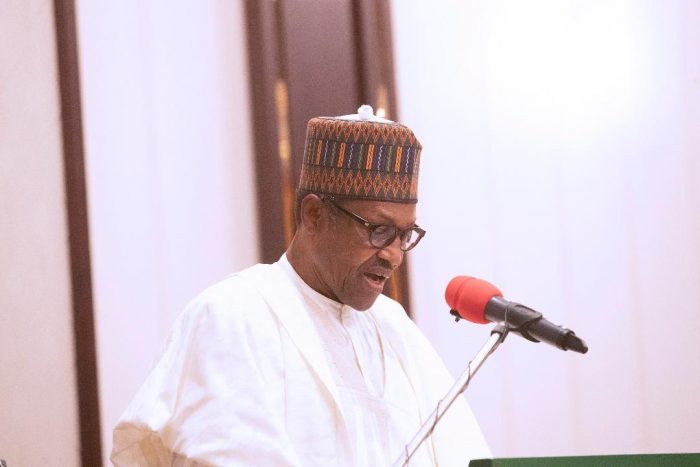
{"x": 245, "y": 381}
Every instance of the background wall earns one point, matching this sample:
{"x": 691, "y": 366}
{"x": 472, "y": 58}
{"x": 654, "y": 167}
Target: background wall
{"x": 169, "y": 169}
{"x": 562, "y": 163}
{"x": 572, "y": 140}
{"x": 38, "y": 402}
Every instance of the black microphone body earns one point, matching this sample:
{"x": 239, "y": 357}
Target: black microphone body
{"x": 532, "y": 325}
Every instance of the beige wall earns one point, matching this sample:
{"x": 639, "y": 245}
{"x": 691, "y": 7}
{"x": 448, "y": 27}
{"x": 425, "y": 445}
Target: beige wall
{"x": 169, "y": 172}
{"x": 561, "y": 161}
{"x": 38, "y": 408}
{"x": 170, "y": 194}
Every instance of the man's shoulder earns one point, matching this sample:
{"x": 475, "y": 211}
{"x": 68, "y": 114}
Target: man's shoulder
{"x": 246, "y": 283}
{"x": 237, "y": 295}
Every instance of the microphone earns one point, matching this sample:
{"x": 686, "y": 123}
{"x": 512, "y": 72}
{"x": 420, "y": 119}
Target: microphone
{"x": 481, "y": 302}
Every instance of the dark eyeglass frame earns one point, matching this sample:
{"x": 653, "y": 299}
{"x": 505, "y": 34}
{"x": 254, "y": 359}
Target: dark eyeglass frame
{"x": 374, "y": 227}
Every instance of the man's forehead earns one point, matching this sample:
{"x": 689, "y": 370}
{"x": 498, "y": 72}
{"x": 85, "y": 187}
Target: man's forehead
{"x": 401, "y": 214}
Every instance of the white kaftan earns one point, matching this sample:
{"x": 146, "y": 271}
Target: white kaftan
{"x": 260, "y": 370}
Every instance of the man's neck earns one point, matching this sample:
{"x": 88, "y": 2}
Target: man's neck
{"x": 300, "y": 258}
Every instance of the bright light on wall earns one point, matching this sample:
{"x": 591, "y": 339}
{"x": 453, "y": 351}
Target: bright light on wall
{"x": 578, "y": 58}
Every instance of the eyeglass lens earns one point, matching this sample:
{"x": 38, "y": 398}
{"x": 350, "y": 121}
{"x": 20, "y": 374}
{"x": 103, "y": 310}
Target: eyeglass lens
{"x": 383, "y": 235}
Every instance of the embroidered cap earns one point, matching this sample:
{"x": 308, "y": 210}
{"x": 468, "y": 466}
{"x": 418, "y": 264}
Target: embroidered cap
{"x": 361, "y": 156}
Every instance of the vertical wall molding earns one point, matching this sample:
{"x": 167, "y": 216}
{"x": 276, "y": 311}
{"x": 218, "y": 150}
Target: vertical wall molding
{"x": 263, "y": 59}
{"x": 78, "y": 234}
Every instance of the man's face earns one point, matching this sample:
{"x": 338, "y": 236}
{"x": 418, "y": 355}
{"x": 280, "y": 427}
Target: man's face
{"x": 348, "y": 268}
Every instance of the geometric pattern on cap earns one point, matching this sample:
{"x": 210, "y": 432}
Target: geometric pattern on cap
{"x": 358, "y": 184}
{"x": 361, "y": 159}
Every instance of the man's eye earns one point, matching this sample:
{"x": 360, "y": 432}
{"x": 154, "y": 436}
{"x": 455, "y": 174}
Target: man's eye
{"x": 384, "y": 231}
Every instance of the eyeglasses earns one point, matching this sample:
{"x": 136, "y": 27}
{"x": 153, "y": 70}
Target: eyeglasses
{"x": 381, "y": 236}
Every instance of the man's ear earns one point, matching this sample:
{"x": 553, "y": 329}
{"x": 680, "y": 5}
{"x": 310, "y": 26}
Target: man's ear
{"x": 311, "y": 213}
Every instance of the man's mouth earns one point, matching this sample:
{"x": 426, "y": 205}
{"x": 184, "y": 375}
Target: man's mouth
{"x": 377, "y": 280}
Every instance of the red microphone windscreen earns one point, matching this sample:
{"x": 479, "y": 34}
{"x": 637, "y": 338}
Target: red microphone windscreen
{"x": 469, "y": 295}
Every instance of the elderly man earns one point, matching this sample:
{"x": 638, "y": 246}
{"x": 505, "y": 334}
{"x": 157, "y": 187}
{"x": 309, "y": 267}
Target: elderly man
{"x": 303, "y": 362}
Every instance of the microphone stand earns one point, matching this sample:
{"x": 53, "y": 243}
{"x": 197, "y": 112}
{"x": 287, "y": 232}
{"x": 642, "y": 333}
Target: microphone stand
{"x": 498, "y": 335}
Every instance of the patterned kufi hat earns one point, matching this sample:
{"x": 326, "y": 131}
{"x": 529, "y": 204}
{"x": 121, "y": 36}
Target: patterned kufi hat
{"x": 361, "y": 156}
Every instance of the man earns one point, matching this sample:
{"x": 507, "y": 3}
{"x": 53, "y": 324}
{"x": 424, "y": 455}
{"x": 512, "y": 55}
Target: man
{"x": 303, "y": 362}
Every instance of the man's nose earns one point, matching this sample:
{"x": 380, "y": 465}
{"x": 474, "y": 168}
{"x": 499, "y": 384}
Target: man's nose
{"x": 392, "y": 253}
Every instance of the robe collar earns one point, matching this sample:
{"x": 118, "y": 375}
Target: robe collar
{"x": 285, "y": 300}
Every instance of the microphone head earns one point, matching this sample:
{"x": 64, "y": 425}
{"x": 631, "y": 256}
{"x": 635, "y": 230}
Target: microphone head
{"x": 468, "y": 297}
